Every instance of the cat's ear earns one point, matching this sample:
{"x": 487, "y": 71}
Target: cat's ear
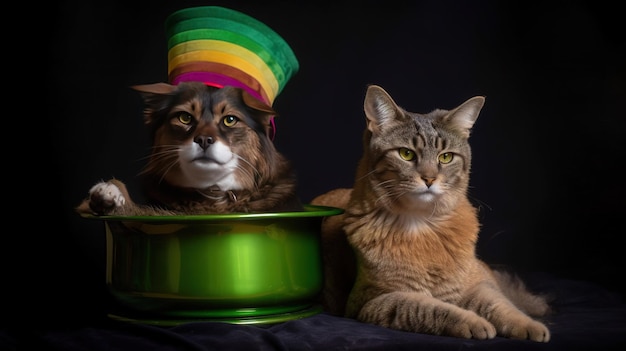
{"x": 152, "y": 94}
{"x": 380, "y": 109}
{"x": 255, "y": 103}
{"x": 267, "y": 112}
{"x": 463, "y": 117}
{"x": 156, "y": 88}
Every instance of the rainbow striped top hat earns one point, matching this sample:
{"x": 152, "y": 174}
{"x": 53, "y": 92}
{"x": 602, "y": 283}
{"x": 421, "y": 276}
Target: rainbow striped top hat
{"x": 220, "y": 47}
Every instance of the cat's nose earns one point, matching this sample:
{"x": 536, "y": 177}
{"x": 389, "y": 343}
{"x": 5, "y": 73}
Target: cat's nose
{"x": 204, "y": 141}
{"x": 429, "y": 181}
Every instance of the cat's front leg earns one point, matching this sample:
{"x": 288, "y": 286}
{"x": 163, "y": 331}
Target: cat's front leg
{"x": 488, "y": 301}
{"x": 105, "y": 198}
{"x": 421, "y": 313}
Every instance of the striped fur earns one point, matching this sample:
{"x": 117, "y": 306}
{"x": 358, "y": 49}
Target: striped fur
{"x": 413, "y": 233}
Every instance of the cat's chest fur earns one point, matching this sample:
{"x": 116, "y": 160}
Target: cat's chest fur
{"x": 430, "y": 251}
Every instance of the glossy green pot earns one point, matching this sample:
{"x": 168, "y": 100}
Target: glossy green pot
{"x": 241, "y": 268}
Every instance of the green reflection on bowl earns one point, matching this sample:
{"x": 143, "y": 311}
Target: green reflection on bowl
{"x": 216, "y": 266}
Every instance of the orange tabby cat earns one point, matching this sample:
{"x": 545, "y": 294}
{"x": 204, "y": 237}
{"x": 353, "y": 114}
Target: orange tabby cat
{"x": 414, "y": 232}
{"x": 211, "y": 154}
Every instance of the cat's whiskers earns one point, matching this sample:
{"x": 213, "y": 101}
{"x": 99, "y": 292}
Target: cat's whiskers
{"x": 167, "y": 169}
{"x": 480, "y": 202}
{"x": 161, "y": 151}
{"x": 162, "y": 161}
{"x": 252, "y": 174}
{"x": 205, "y": 195}
{"x": 147, "y": 157}
{"x": 394, "y": 189}
{"x": 433, "y": 212}
{"x": 390, "y": 191}
{"x": 366, "y": 175}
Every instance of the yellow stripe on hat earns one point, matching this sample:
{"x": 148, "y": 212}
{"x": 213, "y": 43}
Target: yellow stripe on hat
{"x": 226, "y": 53}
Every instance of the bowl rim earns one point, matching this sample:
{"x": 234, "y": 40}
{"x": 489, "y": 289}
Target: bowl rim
{"x": 309, "y": 211}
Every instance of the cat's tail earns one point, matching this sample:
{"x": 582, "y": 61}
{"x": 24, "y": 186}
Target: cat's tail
{"x": 512, "y": 285}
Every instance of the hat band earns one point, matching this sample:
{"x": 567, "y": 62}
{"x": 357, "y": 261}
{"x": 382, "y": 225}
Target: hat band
{"x": 223, "y": 69}
{"x": 216, "y": 80}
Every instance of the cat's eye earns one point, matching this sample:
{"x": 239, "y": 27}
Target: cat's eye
{"x": 446, "y": 157}
{"x": 184, "y": 118}
{"x": 406, "y": 154}
{"x": 230, "y": 121}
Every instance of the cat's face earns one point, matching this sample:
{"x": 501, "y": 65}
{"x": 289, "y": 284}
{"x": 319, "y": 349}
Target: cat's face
{"x": 419, "y": 162}
{"x": 205, "y": 136}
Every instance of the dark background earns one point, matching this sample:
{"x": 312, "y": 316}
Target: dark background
{"x": 548, "y": 146}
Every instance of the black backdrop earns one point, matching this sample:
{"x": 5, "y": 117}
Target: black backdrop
{"x": 548, "y": 146}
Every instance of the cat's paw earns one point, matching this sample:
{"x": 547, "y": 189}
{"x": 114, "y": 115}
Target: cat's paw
{"x": 531, "y": 330}
{"x": 105, "y": 197}
{"x": 472, "y": 327}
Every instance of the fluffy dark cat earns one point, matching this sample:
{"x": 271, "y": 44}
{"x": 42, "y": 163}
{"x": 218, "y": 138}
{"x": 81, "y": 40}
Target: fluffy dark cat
{"x": 413, "y": 233}
{"x": 211, "y": 153}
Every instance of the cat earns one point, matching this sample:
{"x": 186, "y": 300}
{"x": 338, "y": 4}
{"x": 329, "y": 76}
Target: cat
{"x": 402, "y": 255}
{"x": 211, "y": 153}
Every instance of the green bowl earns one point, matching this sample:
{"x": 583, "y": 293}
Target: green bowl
{"x": 239, "y": 268}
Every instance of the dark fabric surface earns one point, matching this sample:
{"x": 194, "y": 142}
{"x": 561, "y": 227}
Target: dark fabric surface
{"x": 587, "y": 317}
